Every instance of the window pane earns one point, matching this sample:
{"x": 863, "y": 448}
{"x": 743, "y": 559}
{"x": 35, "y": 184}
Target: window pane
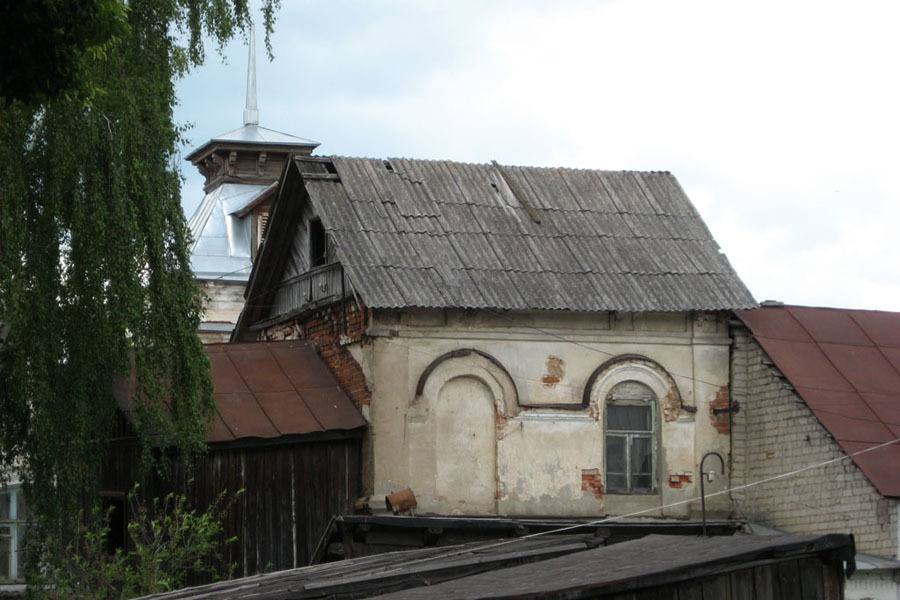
{"x": 5, "y": 499}
{"x": 616, "y": 483}
{"x": 21, "y": 508}
{"x": 615, "y": 454}
{"x": 641, "y": 483}
{"x": 628, "y": 418}
{"x": 20, "y": 552}
{"x": 641, "y": 459}
{"x": 4, "y": 557}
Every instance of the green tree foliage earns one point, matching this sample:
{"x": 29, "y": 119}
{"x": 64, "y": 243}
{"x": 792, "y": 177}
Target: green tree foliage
{"x": 95, "y": 279}
{"x": 45, "y": 43}
{"x": 168, "y": 540}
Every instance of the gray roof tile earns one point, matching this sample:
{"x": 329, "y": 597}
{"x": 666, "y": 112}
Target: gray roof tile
{"x": 445, "y": 234}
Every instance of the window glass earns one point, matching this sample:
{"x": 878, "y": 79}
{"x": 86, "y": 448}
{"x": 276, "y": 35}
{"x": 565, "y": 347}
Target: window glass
{"x": 630, "y": 441}
{"x": 12, "y": 532}
{"x": 20, "y": 553}
{"x": 5, "y": 551}
{"x": 616, "y": 483}
{"x": 628, "y": 418}
{"x": 21, "y": 506}
{"x": 615, "y": 454}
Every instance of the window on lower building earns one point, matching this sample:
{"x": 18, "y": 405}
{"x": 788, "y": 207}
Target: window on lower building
{"x": 13, "y": 513}
{"x": 630, "y": 429}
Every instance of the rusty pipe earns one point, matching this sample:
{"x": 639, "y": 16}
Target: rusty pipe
{"x": 703, "y": 486}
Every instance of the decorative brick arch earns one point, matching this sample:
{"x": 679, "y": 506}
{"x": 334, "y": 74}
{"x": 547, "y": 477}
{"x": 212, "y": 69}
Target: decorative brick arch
{"x": 453, "y": 426}
{"x": 482, "y": 366}
{"x": 638, "y": 368}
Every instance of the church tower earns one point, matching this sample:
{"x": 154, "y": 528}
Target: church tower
{"x": 242, "y": 168}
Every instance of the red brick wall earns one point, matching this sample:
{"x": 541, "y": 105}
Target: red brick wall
{"x": 721, "y": 421}
{"x": 331, "y": 329}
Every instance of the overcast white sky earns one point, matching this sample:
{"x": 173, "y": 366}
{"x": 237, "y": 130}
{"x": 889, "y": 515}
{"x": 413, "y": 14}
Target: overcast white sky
{"x": 780, "y": 119}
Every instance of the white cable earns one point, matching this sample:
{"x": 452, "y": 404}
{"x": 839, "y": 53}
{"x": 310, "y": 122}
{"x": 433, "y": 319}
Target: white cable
{"x": 679, "y": 503}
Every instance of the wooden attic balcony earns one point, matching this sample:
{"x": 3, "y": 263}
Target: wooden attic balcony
{"x": 320, "y": 286}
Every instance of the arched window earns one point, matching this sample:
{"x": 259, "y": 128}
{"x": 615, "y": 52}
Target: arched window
{"x": 630, "y": 430}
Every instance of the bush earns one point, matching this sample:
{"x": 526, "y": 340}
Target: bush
{"x": 168, "y": 541}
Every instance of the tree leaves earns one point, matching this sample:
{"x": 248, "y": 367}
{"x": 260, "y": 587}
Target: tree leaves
{"x": 95, "y": 279}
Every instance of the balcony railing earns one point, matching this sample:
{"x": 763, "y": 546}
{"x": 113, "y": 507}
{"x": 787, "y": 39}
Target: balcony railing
{"x": 316, "y": 287}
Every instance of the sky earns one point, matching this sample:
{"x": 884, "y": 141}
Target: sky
{"x": 781, "y": 120}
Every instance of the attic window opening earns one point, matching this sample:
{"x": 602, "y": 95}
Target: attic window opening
{"x": 318, "y": 243}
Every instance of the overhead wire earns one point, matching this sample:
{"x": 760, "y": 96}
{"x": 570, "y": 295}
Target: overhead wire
{"x": 663, "y": 507}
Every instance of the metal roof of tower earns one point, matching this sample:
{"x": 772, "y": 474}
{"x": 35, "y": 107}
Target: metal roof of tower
{"x": 220, "y": 227}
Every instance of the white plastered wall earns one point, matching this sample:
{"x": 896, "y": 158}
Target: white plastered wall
{"x": 543, "y": 455}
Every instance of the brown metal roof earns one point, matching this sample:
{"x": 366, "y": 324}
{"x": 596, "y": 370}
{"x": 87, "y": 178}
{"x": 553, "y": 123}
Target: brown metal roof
{"x": 273, "y": 389}
{"x": 845, "y": 364}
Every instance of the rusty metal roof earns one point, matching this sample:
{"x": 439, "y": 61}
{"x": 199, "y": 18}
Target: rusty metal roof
{"x": 273, "y": 389}
{"x": 447, "y": 234}
{"x": 845, "y": 364}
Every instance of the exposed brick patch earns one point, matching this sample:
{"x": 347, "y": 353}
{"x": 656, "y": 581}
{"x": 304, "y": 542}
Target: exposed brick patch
{"x": 592, "y": 480}
{"x": 671, "y": 406}
{"x": 721, "y": 421}
{"x": 678, "y": 480}
{"x": 501, "y": 425}
{"x": 330, "y": 330}
{"x": 556, "y": 370}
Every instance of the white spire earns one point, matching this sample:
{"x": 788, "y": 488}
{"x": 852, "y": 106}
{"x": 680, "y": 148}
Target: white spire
{"x": 251, "y": 113}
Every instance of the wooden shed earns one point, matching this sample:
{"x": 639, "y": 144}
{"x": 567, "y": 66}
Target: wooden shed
{"x": 285, "y": 433}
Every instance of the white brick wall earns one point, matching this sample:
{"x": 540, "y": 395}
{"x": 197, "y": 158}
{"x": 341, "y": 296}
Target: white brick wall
{"x": 225, "y": 300}
{"x": 774, "y": 433}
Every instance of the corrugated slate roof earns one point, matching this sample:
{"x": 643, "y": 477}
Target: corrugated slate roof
{"x": 845, "y": 364}
{"x": 273, "y": 389}
{"x": 446, "y": 234}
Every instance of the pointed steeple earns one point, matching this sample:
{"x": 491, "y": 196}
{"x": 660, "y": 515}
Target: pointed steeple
{"x": 250, "y": 154}
{"x": 251, "y": 113}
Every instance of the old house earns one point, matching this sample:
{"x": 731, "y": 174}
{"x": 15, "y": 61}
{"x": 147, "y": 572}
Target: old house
{"x": 521, "y": 340}
{"x": 818, "y": 385}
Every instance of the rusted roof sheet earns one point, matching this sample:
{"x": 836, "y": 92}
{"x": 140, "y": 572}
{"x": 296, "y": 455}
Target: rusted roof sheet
{"x": 845, "y": 364}
{"x": 273, "y": 389}
{"x": 445, "y": 234}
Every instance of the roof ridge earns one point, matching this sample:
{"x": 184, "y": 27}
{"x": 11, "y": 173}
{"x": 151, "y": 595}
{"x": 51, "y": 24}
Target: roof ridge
{"x": 488, "y": 164}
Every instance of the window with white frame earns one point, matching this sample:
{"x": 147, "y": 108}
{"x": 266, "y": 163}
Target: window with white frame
{"x": 630, "y": 432}
{"x": 13, "y": 515}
